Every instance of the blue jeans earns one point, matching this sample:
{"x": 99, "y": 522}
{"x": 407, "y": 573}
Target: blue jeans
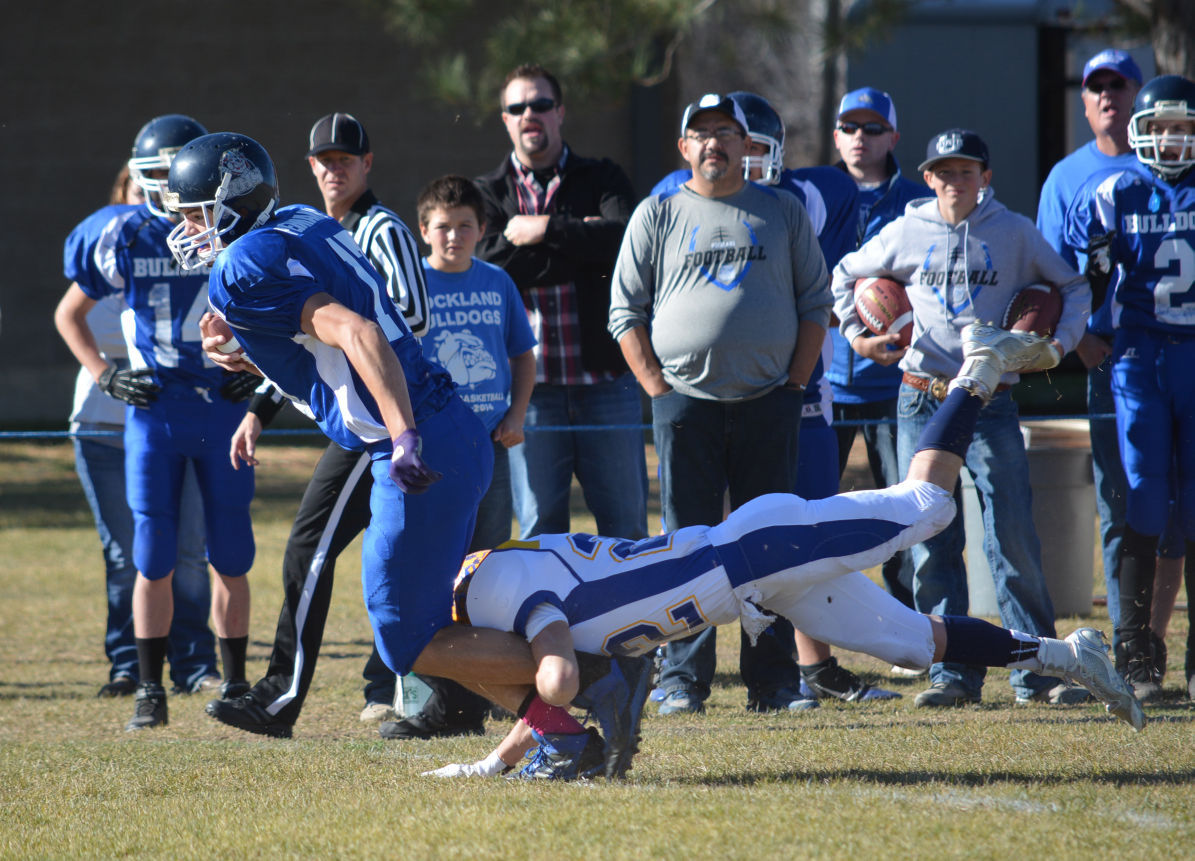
{"x": 706, "y": 448}
{"x": 610, "y": 465}
{"x": 192, "y": 653}
{"x": 997, "y": 461}
{"x": 880, "y": 440}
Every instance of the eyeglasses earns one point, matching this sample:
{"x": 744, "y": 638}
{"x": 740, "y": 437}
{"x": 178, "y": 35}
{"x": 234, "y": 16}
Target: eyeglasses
{"x": 722, "y": 133}
{"x": 1105, "y": 85}
{"x": 872, "y": 130}
{"x": 538, "y": 106}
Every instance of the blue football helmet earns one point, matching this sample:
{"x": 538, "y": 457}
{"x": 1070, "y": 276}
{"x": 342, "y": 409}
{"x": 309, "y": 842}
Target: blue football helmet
{"x": 764, "y": 126}
{"x": 229, "y": 177}
{"x": 1167, "y": 154}
{"x": 154, "y": 148}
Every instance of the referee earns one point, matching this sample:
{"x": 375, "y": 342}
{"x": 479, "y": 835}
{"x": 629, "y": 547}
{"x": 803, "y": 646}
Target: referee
{"x": 335, "y": 506}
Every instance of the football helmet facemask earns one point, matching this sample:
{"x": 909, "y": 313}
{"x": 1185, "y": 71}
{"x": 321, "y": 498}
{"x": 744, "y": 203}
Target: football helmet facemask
{"x": 1167, "y": 154}
{"x": 230, "y": 178}
{"x": 765, "y": 127}
{"x": 154, "y": 148}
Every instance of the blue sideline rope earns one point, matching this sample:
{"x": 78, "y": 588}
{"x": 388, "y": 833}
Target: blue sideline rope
{"x": 308, "y": 432}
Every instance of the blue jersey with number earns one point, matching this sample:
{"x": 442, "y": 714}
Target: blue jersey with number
{"x": 259, "y": 285}
{"x": 130, "y": 258}
{"x": 1152, "y": 229}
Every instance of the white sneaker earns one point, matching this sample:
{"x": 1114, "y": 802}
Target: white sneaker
{"x": 377, "y": 712}
{"x": 1093, "y": 670}
{"x": 906, "y": 672}
{"x": 990, "y": 352}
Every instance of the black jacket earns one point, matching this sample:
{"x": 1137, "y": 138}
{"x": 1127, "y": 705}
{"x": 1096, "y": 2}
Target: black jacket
{"x": 573, "y": 250}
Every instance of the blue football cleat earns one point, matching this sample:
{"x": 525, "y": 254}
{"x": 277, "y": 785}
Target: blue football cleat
{"x": 563, "y": 756}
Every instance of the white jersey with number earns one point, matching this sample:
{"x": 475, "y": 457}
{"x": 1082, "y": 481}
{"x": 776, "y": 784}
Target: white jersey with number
{"x": 778, "y": 554}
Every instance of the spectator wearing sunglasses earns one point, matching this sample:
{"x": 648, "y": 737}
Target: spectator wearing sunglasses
{"x": 554, "y": 222}
{"x": 1111, "y": 80}
{"x": 865, "y": 384}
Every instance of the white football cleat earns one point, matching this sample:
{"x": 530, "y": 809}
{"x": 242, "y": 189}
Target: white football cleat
{"x": 990, "y": 352}
{"x": 1090, "y": 667}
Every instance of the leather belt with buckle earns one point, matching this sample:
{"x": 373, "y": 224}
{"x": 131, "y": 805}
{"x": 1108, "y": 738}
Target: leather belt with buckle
{"x": 936, "y": 387}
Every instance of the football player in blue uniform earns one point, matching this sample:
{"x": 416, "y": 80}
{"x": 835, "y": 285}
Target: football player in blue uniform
{"x": 180, "y": 407}
{"x": 778, "y": 555}
{"x": 310, "y": 312}
{"x": 1137, "y": 227}
{"x": 98, "y": 419}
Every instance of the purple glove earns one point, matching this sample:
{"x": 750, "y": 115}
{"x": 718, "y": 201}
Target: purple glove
{"x": 407, "y": 468}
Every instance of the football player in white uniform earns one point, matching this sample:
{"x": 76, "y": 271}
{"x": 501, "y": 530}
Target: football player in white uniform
{"x": 777, "y": 555}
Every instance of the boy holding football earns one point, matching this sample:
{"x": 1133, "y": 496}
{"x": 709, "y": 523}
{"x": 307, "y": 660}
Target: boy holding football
{"x": 963, "y": 257}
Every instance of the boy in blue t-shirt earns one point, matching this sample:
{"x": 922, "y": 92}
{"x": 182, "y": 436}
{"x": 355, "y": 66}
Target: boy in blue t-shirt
{"x": 479, "y": 332}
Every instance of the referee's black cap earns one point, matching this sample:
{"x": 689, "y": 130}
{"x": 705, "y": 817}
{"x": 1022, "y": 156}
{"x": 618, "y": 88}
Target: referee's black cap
{"x": 338, "y": 131}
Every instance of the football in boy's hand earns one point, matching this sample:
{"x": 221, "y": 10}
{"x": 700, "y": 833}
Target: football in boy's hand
{"x": 883, "y": 306}
{"x": 1036, "y": 308}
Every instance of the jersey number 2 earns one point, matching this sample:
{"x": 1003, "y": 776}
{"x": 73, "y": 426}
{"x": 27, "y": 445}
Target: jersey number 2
{"x": 1173, "y": 303}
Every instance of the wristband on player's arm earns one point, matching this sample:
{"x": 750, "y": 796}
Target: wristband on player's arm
{"x": 266, "y": 405}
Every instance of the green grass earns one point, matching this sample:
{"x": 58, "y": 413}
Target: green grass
{"x": 877, "y": 780}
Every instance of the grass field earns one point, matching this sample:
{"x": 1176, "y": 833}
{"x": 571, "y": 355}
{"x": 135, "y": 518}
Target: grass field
{"x": 865, "y": 781}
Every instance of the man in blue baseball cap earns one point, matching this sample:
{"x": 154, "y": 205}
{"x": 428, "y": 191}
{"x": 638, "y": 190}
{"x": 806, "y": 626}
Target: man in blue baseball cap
{"x": 865, "y": 385}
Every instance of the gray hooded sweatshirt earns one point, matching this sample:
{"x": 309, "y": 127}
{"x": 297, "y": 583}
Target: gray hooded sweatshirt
{"x": 956, "y": 274}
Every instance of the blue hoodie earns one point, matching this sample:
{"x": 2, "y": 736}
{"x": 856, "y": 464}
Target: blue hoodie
{"x": 854, "y": 379}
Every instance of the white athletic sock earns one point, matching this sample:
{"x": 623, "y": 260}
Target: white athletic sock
{"x": 1054, "y": 658}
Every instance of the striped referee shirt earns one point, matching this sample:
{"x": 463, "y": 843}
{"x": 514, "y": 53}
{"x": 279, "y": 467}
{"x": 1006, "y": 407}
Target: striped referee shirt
{"x": 391, "y": 248}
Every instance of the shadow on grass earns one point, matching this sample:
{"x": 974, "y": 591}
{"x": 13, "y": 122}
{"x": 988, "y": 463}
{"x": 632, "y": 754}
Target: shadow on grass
{"x": 919, "y": 777}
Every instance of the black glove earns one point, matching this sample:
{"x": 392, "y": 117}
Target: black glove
{"x": 1099, "y": 267}
{"x": 240, "y": 386}
{"x": 133, "y": 387}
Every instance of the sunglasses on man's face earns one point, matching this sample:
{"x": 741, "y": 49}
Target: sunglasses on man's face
{"x": 872, "y": 130}
{"x": 538, "y": 106}
{"x": 1105, "y": 85}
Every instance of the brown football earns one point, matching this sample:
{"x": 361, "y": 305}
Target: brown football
{"x": 1036, "y": 308}
{"x": 883, "y": 306}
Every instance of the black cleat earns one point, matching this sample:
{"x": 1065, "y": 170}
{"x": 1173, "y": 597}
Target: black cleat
{"x": 616, "y": 701}
{"x": 245, "y": 713}
{"x": 233, "y": 688}
{"x": 121, "y": 686}
{"x": 420, "y": 726}
{"x": 828, "y": 679}
{"x": 149, "y": 708}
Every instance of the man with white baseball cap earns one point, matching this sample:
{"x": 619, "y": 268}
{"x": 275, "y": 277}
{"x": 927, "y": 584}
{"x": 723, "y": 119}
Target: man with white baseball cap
{"x": 720, "y": 302}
